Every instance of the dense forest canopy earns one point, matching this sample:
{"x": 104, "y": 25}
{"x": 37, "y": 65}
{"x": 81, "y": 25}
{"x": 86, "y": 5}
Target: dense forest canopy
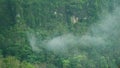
{"x": 59, "y": 34}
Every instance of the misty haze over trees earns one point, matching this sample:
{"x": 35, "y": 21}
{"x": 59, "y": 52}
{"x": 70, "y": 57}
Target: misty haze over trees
{"x": 59, "y": 34}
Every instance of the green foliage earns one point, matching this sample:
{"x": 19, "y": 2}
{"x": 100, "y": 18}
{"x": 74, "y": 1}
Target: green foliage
{"x": 48, "y": 19}
{"x": 12, "y": 62}
{"x": 26, "y": 65}
{"x": 66, "y": 63}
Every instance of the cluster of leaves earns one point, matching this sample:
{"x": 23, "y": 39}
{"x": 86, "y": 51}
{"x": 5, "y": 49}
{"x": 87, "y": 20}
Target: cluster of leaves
{"x": 12, "y": 62}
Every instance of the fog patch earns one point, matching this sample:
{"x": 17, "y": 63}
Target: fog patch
{"x": 101, "y": 34}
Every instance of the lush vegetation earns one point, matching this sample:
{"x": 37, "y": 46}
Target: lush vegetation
{"x": 47, "y": 19}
